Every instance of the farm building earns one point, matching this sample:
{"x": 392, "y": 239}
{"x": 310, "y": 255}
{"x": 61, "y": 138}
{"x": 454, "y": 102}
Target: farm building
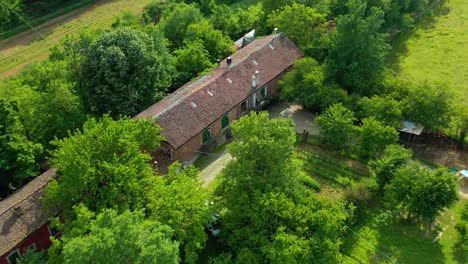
{"x": 196, "y": 117}
{"x": 24, "y": 224}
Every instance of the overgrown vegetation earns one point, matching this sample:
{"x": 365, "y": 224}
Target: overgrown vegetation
{"x": 276, "y": 202}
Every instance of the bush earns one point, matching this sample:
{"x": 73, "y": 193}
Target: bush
{"x": 310, "y": 182}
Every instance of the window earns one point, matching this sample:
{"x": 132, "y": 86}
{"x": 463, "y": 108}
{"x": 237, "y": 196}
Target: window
{"x": 206, "y": 135}
{"x": 263, "y": 92}
{"x": 244, "y": 107}
{"x": 225, "y": 121}
{"x": 13, "y": 256}
{"x": 53, "y": 232}
{"x": 32, "y": 247}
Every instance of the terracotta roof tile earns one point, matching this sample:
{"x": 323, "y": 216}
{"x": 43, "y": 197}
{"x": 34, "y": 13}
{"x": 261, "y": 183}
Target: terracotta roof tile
{"x": 22, "y": 213}
{"x": 230, "y": 85}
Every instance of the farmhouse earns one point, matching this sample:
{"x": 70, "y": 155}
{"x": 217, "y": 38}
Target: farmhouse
{"x": 24, "y": 224}
{"x": 196, "y": 117}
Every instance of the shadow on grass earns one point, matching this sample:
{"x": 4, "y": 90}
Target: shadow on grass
{"x": 380, "y": 240}
{"x": 460, "y": 254}
{"x": 399, "y": 42}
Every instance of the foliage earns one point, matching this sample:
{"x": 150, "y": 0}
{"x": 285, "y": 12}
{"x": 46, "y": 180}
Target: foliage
{"x": 357, "y": 53}
{"x": 103, "y": 166}
{"x": 421, "y": 193}
{"x": 18, "y": 155}
{"x": 110, "y": 237}
{"x": 374, "y": 137}
{"x": 429, "y": 105}
{"x": 8, "y": 8}
{"x": 271, "y": 217}
{"x": 47, "y": 104}
{"x": 152, "y": 12}
{"x": 306, "y": 83}
{"x": 214, "y": 41}
{"x": 123, "y": 72}
{"x": 175, "y": 22}
{"x": 393, "y": 158}
{"x": 191, "y": 60}
{"x": 336, "y": 125}
{"x": 462, "y": 232}
{"x": 179, "y": 201}
{"x": 303, "y": 25}
{"x": 384, "y": 108}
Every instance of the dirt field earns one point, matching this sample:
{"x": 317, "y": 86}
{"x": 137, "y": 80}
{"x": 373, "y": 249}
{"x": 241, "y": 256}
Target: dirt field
{"x": 20, "y": 50}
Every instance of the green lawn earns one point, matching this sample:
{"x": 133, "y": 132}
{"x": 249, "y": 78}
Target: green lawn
{"x": 376, "y": 239}
{"x": 438, "y": 49}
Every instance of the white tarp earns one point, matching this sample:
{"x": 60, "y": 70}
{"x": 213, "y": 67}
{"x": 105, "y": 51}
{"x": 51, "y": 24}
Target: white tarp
{"x": 412, "y": 128}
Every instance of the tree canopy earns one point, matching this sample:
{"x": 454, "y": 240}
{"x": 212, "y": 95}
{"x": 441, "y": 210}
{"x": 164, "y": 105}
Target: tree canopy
{"x": 374, "y": 137}
{"x": 421, "y": 193}
{"x": 123, "y": 72}
{"x": 103, "y": 166}
{"x": 303, "y": 25}
{"x": 306, "y": 83}
{"x": 179, "y": 201}
{"x": 271, "y": 216}
{"x": 336, "y": 125}
{"x": 18, "y": 155}
{"x": 110, "y": 237}
{"x": 357, "y": 53}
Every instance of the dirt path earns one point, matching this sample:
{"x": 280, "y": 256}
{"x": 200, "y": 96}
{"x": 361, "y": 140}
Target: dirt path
{"x": 22, "y": 49}
{"x": 209, "y": 173}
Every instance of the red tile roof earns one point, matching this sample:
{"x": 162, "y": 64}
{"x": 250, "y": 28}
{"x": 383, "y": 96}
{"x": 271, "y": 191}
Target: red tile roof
{"x": 189, "y": 110}
{"x": 22, "y": 213}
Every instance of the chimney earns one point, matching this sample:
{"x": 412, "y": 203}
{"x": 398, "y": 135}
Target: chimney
{"x": 276, "y": 30}
{"x": 219, "y": 62}
{"x": 229, "y": 61}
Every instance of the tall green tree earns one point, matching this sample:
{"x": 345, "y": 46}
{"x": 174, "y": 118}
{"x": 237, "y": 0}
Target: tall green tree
{"x": 103, "y": 166}
{"x": 8, "y": 13}
{"x": 18, "y": 155}
{"x": 123, "y": 73}
{"x": 306, "y": 84}
{"x": 110, "y": 237}
{"x": 356, "y": 57}
{"x": 428, "y": 104}
{"x": 303, "y": 25}
{"x": 175, "y": 22}
{"x": 384, "y": 108}
{"x": 47, "y": 102}
{"x": 420, "y": 193}
{"x": 393, "y": 158}
{"x": 179, "y": 201}
{"x": 191, "y": 60}
{"x": 214, "y": 41}
{"x": 374, "y": 137}
{"x": 270, "y": 216}
{"x": 336, "y": 125}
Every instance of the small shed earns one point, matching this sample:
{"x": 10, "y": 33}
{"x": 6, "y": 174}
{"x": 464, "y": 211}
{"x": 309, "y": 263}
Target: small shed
{"x": 411, "y": 128}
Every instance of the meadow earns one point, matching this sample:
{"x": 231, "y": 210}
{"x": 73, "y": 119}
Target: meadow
{"x": 22, "y": 49}
{"x": 437, "y": 49}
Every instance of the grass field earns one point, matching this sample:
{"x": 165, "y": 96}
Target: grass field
{"x": 22, "y": 49}
{"x": 438, "y": 49}
{"x": 377, "y": 240}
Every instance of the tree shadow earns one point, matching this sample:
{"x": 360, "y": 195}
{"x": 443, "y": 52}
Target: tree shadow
{"x": 460, "y": 254}
{"x": 410, "y": 244}
{"x": 399, "y": 47}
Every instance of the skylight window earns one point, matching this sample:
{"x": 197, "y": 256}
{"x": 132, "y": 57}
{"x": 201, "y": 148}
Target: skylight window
{"x": 194, "y": 105}
{"x": 209, "y": 92}
{"x": 271, "y": 46}
{"x": 254, "y": 62}
{"x": 229, "y": 80}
